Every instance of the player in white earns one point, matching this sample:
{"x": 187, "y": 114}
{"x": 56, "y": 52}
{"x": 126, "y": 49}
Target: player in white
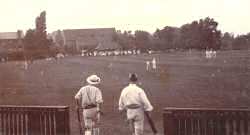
{"x": 89, "y": 98}
{"x": 134, "y": 101}
{"x": 154, "y": 64}
{"x": 147, "y": 65}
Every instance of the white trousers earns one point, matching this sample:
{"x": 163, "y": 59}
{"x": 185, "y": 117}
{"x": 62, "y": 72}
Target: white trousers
{"x": 136, "y": 120}
{"x": 90, "y": 117}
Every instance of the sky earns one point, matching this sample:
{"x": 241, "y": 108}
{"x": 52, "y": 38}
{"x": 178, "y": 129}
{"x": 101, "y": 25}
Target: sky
{"x": 232, "y": 15}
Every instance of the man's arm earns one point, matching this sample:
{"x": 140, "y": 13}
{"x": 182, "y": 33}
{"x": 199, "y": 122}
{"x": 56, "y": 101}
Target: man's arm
{"x": 78, "y": 97}
{"x": 99, "y": 101}
{"x": 146, "y": 103}
{"x": 121, "y": 104}
{"x": 78, "y": 103}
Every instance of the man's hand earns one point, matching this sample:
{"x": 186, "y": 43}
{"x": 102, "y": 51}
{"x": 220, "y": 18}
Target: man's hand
{"x": 123, "y": 114}
{"x": 100, "y": 112}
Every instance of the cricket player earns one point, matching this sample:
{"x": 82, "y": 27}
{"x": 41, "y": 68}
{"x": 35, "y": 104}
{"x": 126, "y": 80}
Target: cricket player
{"x": 147, "y": 65}
{"x": 134, "y": 101}
{"x": 154, "y": 64}
{"x": 89, "y": 98}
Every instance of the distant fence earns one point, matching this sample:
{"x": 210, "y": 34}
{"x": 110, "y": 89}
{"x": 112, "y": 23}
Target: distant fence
{"x": 34, "y": 120}
{"x": 206, "y": 121}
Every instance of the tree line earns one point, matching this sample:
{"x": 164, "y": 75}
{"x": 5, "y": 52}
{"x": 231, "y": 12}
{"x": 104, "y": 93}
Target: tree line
{"x": 200, "y": 35}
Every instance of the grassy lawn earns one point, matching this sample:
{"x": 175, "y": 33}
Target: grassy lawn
{"x": 183, "y": 79}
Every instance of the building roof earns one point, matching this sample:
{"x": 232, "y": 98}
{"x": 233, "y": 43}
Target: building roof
{"x": 98, "y": 38}
{"x": 10, "y": 35}
{"x": 76, "y": 33}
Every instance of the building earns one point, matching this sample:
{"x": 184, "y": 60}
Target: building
{"x": 10, "y": 39}
{"x": 76, "y": 40}
{"x": 10, "y": 42}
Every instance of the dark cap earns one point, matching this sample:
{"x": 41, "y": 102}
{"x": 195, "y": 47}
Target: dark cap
{"x": 133, "y": 77}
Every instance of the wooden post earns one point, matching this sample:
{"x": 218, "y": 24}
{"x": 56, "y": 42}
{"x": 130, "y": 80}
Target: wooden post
{"x": 168, "y": 123}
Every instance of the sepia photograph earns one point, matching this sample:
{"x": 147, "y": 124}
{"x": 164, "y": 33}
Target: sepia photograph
{"x": 125, "y": 67}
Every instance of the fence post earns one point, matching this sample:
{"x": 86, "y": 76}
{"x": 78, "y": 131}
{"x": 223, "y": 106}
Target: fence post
{"x": 169, "y": 123}
{"x": 37, "y": 120}
{"x": 62, "y": 120}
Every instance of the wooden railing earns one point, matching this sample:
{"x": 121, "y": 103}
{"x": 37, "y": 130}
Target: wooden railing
{"x": 34, "y": 120}
{"x": 206, "y": 121}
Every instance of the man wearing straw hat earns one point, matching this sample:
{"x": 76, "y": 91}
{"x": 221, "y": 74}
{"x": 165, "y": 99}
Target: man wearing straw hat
{"x": 89, "y": 98}
{"x": 134, "y": 101}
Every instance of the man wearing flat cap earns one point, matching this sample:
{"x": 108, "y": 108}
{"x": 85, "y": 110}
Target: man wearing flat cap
{"x": 89, "y": 98}
{"x": 134, "y": 101}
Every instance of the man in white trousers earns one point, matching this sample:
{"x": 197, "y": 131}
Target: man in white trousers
{"x": 134, "y": 101}
{"x": 89, "y": 98}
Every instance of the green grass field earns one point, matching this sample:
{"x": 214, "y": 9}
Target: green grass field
{"x": 183, "y": 79}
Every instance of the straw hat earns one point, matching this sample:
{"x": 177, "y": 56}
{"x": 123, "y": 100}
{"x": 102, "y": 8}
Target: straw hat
{"x": 93, "y": 79}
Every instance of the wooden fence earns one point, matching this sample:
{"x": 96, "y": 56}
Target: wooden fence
{"x": 34, "y": 120}
{"x": 206, "y": 121}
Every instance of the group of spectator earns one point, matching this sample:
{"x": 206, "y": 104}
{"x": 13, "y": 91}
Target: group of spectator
{"x": 110, "y": 53}
{"x": 210, "y": 54}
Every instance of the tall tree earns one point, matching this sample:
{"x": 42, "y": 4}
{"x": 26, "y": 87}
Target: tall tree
{"x": 201, "y": 35}
{"x": 36, "y": 39}
{"x": 41, "y": 32}
{"x": 41, "y": 25}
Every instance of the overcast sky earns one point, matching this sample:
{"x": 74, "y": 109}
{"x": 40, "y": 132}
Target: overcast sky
{"x": 232, "y": 15}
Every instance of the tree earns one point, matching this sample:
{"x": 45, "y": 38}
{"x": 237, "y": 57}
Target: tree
{"x": 227, "y": 41}
{"x": 36, "y": 43}
{"x": 41, "y": 32}
{"x": 241, "y": 42}
{"x": 125, "y": 39}
{"x": 41, "y": 25}
{"x": 59, "y": 38}
{"x": 201, "y": 35}
{"x": 30, "y": 40}
{"x": 142, "y": 40}
{"x": 167, "y": 38}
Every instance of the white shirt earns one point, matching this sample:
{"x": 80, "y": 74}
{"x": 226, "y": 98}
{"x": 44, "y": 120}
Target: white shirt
{"x": 89, "y": 95}
{"x": 132, "y": 94}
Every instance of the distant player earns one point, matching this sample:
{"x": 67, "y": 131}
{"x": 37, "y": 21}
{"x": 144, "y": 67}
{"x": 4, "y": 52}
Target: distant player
{"x": 206, "y": 53}
{"x": 138, "y": 52}
{"x": 209, "y": 54}
{"x": 134, "y": 52}
{"x": 154, "y": 64}
{"x": 26, "y": 64}
{"x": 147, "y": 65}
{"x": 214, "y": 54}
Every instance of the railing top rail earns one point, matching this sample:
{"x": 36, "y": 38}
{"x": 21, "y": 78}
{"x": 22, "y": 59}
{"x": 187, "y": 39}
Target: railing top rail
{"x": 33, "y": 106}
{"x": 244, "y": 109}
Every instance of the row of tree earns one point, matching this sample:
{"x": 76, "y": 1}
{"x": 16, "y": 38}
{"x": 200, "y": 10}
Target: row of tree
{"x": 202, "y": 34}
